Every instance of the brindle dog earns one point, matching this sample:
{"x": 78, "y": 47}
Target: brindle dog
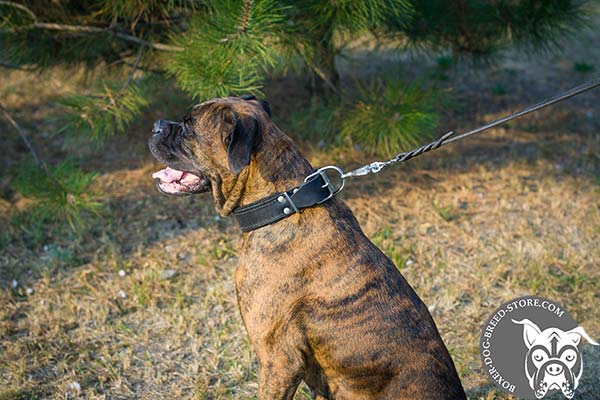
{"x": 320, "y": 302}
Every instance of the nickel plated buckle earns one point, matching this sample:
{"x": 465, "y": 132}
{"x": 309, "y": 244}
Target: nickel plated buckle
{"x": 328, "y": 183}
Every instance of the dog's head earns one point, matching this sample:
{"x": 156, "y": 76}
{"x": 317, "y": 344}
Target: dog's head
{"x": 553, "y": 360}
{"x": 212, "y": 147}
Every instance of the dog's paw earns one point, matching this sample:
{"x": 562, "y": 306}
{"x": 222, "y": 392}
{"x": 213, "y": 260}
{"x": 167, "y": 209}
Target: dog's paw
{"x": 567, "y": 390}
{"x": 541, "y": 390}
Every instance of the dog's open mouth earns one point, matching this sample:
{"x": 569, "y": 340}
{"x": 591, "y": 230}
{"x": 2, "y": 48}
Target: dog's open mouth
{"x": 175, "y": 182}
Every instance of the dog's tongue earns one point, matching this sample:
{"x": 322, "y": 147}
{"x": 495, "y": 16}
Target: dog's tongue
{"x": 168, "y": 175}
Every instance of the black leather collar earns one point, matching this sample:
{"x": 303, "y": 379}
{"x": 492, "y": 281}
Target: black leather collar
{"x": 316, "y": 189}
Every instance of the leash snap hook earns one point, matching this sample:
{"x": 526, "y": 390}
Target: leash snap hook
{"x": 328, "y": 184}
{"x": 372, "y": 168}
{"x": 376, "y": 166}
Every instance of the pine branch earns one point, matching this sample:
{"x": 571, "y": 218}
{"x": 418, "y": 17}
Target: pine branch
{"x": 99, "y": 116}
{"x": 93, "y": 29}
{"x": 85, "y": 29}
{"x": 64, "y": 196}
{"x": 391, "y": 116}
{"x": 23, "y": 136}
{"x": 321, "y": 75}
{"x": 39, "y": 161}
{"x": 20, "y": 7}
{"x": 14, "y": 66}
{"x": 246, "y": 15}
{"x": 244, "y": 21}
{"x": 105, "y": 113}
{"x": 134, "y": 68}
{"x": 236, "y": 42}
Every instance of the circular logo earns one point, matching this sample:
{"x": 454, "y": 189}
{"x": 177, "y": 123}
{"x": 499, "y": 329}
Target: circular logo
{"x": 530, "y": 348}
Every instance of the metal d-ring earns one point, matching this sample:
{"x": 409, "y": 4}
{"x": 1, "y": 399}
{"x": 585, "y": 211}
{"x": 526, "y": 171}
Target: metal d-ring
{"x": 328, "y": 184}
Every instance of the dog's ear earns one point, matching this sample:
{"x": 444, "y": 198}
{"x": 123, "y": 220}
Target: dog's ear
{"x": 266, "y": 107}
{"x": 530, "y": 331}
{"x": 263, "y": 103}
{"x": 240, "y": 143}
{"x": 576, "y": 334}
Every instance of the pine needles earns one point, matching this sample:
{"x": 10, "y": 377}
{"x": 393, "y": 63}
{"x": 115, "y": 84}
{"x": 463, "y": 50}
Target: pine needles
{"x": 63, "y": 194}
{"x": 391, "y": 116}
{"x": 480, "y": 28}
{"x": 104, "y": 114}
{"x": 229, "y": 50}
{"x": 59, "y": 194}
{"x": 381, "y": 117}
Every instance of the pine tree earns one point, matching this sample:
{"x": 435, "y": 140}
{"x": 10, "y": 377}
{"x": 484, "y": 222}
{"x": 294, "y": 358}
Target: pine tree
{"x": 216, "y": 48}
{"x": 228, "y": 47}
{"x": 476, "y": 27}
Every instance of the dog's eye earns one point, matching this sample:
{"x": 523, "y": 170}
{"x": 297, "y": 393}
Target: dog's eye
{"x": 187, "y": 123}
{"x": 538, "y": 355}
{"x": 569, "y": 355}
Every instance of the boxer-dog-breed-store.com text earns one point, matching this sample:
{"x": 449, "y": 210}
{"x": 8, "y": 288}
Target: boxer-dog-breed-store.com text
{"x": 320, "y": 302}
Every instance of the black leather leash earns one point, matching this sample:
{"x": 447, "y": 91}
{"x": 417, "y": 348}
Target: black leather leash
{"x": 318, "y": 187}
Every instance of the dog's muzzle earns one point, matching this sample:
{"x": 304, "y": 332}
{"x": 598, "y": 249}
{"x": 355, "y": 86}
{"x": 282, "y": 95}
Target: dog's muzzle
{"x": 162, "y": 125}
{"x": 175, "y": 179}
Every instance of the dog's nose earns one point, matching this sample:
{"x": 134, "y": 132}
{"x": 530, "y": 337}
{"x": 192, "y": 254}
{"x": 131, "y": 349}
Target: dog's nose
{"x": 554, "y": 369}
{"x": 157, "y": 129}
{"x": 161, "y": 126}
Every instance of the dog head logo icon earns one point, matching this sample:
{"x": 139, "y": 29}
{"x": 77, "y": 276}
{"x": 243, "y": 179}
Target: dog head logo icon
{"x": 553, "y": 361}
{"x": 531, "y": 348}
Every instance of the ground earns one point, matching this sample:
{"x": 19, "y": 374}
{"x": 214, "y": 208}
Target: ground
{"x": 142, "y": 304}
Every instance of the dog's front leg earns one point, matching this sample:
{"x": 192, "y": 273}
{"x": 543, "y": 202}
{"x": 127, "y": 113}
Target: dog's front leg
{"x": 277, "y": 380}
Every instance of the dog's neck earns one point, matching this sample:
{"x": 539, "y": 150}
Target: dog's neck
{"x": 276, "y": 167}
{"x": 227, "y": 193}
{"x": 274, "y": 171}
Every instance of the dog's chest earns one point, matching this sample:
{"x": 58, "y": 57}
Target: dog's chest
{"x": 266, "y": 289}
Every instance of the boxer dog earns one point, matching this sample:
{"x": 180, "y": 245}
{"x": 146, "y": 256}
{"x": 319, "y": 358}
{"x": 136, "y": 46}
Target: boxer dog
{"x": 320, "y": 302}
{"x": 553, "y": 361}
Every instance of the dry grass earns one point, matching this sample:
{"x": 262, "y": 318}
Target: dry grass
{"x": 515, "y": 211}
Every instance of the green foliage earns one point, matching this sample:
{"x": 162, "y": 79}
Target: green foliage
{"x": 317, "y": 30}
{"x": 447, "y": 213}
{"x": 445, "y": 62}
{"x": 583, "y": 67}
{"x": 388, "y": 117}
{"x": 543, "y": 25}
{"x": 72, "y": 32}
{"x": 386, "y": 240}
{"x": 103, "y": 114}
{"x": 317, "y": 122}
{"x": 14, "y": 15}
{"x": 349, "y": 16}
{"x": 143, "y": 10}
{"x": 62, "y": 196}
{"x": 40, "y": 49}
{"x": 480, "y": 27}
{"x": 392, "y": 116}
{"x": 24, "y": 42}
{"x": 227, "y": 51}
{"x": 499, "y": 90}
